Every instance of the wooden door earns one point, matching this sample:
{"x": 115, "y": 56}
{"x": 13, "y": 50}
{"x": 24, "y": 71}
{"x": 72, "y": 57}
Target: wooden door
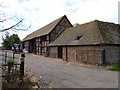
{"x": 60, "y": 52}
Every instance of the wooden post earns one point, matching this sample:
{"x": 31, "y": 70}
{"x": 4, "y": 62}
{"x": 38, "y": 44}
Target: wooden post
{"x": 22, "y": 64}
{"x": 76, "y": 54}
{"x": 13, "y": 56}
{"x": 66, "y": 54}
{"x": 5, "y": 57}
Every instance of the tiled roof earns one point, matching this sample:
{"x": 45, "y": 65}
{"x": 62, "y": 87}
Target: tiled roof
{"x": 94, "y": 32}
{"x": 44, "y": 30}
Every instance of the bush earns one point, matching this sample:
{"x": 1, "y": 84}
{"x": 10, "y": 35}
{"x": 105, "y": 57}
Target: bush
{"x": 10, "y": 64}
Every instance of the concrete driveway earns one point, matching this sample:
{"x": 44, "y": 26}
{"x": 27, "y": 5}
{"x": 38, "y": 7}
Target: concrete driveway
{"x": 65, "y": 75}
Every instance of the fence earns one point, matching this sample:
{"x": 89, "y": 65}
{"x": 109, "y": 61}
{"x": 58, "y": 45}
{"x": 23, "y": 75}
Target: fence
{"x": 5, "y": 56}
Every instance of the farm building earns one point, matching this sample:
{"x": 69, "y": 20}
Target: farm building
{"x": 37, "y": 42}
{"x": 95, "y": 42}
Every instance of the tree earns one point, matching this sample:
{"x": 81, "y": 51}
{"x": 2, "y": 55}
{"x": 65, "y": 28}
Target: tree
{"x": 17, "y": 25}
{"x": 76, "y": 24}
{"x": 9, "y": 40}
{"x": 5, "y": 18}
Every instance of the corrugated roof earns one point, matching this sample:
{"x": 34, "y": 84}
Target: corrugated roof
{"x": 44, "y": 30}
{"x": 94, "y": 32}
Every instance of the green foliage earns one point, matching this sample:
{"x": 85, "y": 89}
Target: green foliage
{"x": 76, "y": 24}
{"x": 10, "y": 64}
{"x": 8, "y": 41}
{"x": 115, "y": 68}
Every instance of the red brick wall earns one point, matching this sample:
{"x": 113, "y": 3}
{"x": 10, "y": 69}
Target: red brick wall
{"x": 37, "y": 45}
{"x": 62, "y": 25}
{"x": 53, "y": 52}
{"x": 26, "y": 45}
{"x": 64, "y": 53}
{"x": 85, "y": 54}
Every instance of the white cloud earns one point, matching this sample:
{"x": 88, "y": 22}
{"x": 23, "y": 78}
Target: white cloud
{"x": 42, "y": 12}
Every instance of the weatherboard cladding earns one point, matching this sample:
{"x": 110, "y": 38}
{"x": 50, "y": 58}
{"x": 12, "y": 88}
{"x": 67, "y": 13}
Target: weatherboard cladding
{"x": 94, "y": 32}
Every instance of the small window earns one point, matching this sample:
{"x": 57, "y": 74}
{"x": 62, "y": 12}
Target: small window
{"x": 78, "y": 37}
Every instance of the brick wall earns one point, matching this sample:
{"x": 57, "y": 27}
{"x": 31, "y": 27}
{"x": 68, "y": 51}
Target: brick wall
{"x": 112, "y": 54}
{"x": 37, "y": 45}
{"x": 89, "y": 54}
{"x": 53, "y": 52}
{"x": 64, "y": 53}
{"x": 61, "y": 26}
{"x": 26, "y": 45}
{"x": 85, "y": 54}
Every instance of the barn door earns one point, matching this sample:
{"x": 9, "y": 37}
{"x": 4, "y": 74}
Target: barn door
{"x": 34, "y": 46}
{"x": 60, "y": 50}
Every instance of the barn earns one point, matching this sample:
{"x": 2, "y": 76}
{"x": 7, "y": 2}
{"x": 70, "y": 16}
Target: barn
{"x": 95, "y": 42}
{"x": 38, "y": 41}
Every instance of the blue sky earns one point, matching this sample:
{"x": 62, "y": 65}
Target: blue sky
{"x": 42, "y": 12}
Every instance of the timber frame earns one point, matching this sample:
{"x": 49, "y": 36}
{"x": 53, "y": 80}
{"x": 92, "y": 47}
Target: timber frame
{"x": 39, "y": 45}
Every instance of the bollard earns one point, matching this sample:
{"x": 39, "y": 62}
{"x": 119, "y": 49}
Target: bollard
{"x": 22, "y": 64}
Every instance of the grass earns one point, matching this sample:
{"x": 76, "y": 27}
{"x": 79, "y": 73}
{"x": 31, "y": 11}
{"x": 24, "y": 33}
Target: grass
{"x": 115, "y": 67}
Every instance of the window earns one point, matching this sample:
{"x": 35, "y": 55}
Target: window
{"x": 78, "y": 37}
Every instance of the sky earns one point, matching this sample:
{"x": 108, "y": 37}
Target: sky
{"x": 41, "y": 12}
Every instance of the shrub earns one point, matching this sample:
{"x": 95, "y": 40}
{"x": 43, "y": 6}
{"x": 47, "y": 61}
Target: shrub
{"x": 10, "y": 64}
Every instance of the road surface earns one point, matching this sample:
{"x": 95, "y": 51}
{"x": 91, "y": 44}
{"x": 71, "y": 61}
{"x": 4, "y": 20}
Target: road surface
{"x": 65, "y": 75}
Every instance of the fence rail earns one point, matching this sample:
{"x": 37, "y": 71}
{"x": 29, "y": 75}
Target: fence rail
{"x": 5, "y": 56}
{"x": 14, "y": 69}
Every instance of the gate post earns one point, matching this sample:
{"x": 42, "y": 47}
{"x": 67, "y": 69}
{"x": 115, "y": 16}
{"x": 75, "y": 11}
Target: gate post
{"x": 5, "y": 56}
{"x": 22, "y": 64}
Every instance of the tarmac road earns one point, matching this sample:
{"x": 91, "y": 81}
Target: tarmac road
{"x": 65, "y": 75}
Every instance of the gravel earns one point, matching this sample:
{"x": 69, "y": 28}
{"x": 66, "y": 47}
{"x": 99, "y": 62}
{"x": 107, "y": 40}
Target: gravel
{"x": 54, "y": 73}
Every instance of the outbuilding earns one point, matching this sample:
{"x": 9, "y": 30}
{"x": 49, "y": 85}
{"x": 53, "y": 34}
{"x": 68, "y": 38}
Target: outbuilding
{"x": 96, "y": 42}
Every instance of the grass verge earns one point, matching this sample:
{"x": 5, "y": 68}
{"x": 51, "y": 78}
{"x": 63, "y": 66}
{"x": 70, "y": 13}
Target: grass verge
{"x": 115, "y": 67}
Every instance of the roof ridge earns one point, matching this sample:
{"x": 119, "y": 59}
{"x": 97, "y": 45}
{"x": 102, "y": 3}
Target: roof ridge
{"x": 105, "y": 22}
{"x": 49, "y": 23}
{"x": 97, "y": 22}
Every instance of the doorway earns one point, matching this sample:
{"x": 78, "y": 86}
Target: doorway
{"x": 60, "y": 52}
